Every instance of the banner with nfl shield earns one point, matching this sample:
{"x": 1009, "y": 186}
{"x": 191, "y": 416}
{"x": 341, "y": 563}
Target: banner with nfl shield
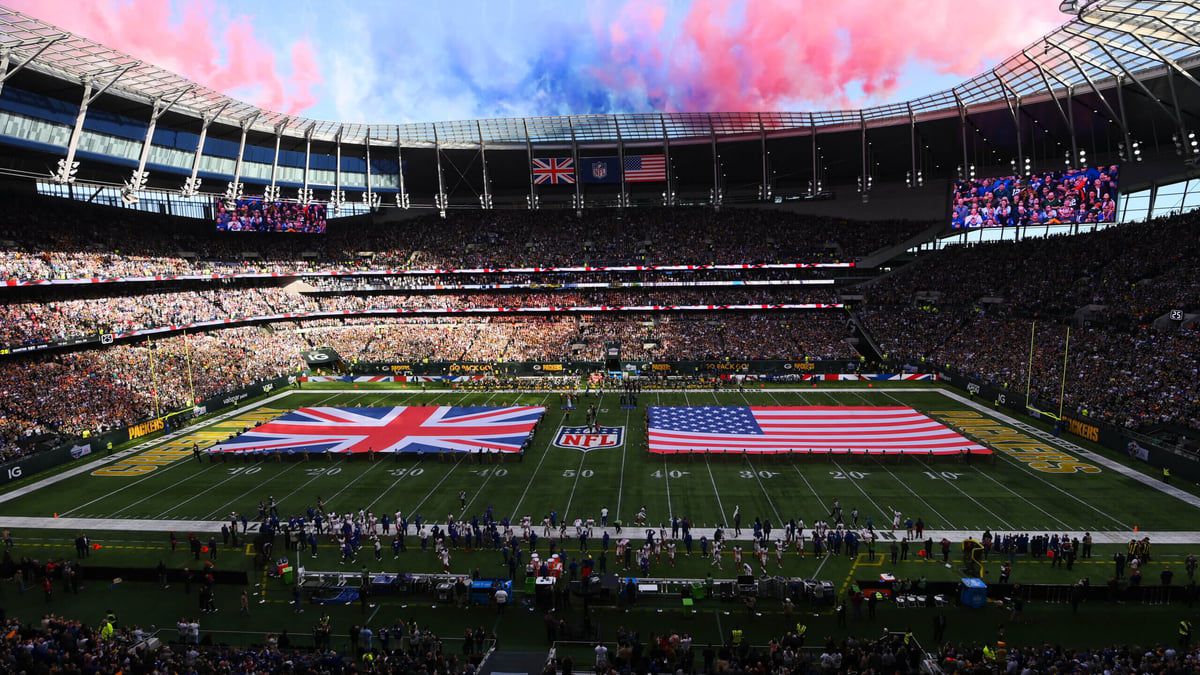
{"x": 600, "y": 169}
{"x": 586, "y": 439}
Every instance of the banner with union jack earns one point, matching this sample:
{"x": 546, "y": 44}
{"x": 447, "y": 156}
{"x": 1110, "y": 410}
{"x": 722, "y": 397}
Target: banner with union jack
{"x": 553, "y": 171}
{"x": 893, "y": 430}
{"x": 397, "y": 429}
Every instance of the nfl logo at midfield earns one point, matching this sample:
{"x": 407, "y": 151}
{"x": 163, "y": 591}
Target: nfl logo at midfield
{"x": 584, "y": 439}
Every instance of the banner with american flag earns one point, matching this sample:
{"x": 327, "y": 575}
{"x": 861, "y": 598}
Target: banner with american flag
{"x": 397, "y": 429}
{"x": 645, "y": 168}
{"x": 553, "y": 171}
{"x": 891, "y": 430}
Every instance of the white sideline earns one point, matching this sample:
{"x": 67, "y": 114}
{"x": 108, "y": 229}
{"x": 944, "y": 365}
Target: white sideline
{"x": 885, "y": 537}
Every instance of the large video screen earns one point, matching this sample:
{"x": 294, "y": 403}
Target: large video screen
{"x": 1044, "y": 198}
{"x": 252, "y": 214}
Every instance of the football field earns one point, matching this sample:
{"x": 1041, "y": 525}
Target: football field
{"x": 1033, "y": 482}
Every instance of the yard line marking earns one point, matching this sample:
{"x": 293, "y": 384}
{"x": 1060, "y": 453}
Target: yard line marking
{"x": 571, "y": 498}
{"x": 491, "y": 473}
{"x": 665, "y": 470}
{"x": 810, "y": 487}
{"x": 667, "y": 480}
{"x": 182, "y": 461}
{"x": 716, "y": 493}
{"x": 886, "y": 516}
{"x": 536, "y": 469}
{"x": 461, "y": 457}
{"x": 712, "y": 479}
{"x": 1019, "y": 496}
{"x": 758, "y": 478}
{"x": 820, "y": 504}
{"x": 880, "y": 463}
{"x": 406, "y": 474}
{"x": 948, "y": 524}
{"x": 762, "y": 487}
{"x": 964, "y": 493}
{"x": 170, "y": 486}
{"x": 582, "y": 458}
{"x": 435, "y": 487}
{"x": 374, "y": 400}
{"x": 1012, "y": 422}
{"x": 621, "y": 480}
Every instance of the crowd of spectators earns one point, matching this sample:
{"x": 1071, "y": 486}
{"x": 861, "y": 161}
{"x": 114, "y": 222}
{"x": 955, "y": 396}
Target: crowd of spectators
{"x": 1048, "y": 198}
{"x": 974, "y": 309}
{"x": 26, "y": 323}
{"x": 99, "y": 389}
{"x": 56, "y": 644}
{"x": 59, "y": 239}
{"x": 95, "y": 390}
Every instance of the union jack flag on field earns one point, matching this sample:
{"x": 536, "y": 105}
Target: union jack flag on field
{"x": 404, "y": 429}
{"x": 553, "y": 171}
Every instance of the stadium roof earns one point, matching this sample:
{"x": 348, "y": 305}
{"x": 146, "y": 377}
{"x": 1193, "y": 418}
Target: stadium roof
{"x": 1103, "y": 42}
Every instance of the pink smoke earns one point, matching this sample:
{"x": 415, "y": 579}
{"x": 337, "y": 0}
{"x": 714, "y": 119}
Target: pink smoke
{"x": 771, "y": 54}
{"x": 205, "y": 44}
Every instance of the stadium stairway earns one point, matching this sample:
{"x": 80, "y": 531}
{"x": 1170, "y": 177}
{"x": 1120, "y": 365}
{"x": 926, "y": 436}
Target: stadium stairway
{"x": 877, "y": 258}
{"x": 864, "y": 342}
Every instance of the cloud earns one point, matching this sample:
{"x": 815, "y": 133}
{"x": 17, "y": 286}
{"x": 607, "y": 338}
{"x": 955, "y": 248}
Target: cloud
{"x": 767, "y": 54}
{"x": 203, "y": 42}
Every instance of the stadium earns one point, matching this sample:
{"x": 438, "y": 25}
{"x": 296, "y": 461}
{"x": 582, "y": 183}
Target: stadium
{"x": 907, "y": 386}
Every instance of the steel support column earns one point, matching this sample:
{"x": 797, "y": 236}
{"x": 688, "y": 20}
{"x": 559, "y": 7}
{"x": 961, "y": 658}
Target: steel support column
{"x": 578, "y": 199}
{"x": 623, "y": 200}
{"x": 486, "y": 199}
{"x": 764, "y": 192}
{"x": 191, "y": 186}
{"x": 962, "y": 129}
{"x": 402, "y": 200}
{"x": 370, "y": 197}
{"x": 716, "y": 188}
{"x": 137, "y": 181}
{"x": 1014, "y": 110}
{"x": 914, "y": 179}
{"x": 233, "y": 191}
{"x": 669, "y": 199}
{"x": 6, "y": 56}
{"x": 271, "y": 193}
{"x": 68, "y": 166}
{"x": 532, "y": 199}
{"x": 814, "y": 186}
{"x": 306, "y": 194}
{"x": 865, "y": 186}
{"x": 441, "y": 200}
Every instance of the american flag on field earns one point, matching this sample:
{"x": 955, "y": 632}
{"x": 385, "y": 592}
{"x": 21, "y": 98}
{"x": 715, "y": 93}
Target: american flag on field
{"x": 406, "y": 429}
{"x": 645, "y": 168}
{"x": 816, "y": 429}
{"x": 553, "y": 171}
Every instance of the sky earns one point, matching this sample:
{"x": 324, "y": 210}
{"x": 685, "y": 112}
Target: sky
{"x": 389, "y": 61}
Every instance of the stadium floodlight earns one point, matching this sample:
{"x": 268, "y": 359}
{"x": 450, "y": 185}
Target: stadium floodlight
{"x": 485, "y": 201}
{"x": 135, "y": 184}
{"x": 233, "y": 192}
{"x": 402, "y": 201}
{"x": 337, "y": 199}
{"x": 372, "y": 200}
{"x": 65, "y": 175}
{"x": 531, "y": 201}
{"x": 271, "y": 193}
{"x": 191, "y": 188}
{"x": 305, "y": 195}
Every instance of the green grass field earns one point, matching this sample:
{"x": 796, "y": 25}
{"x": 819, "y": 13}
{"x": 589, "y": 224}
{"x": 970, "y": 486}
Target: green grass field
{"x": 1032, "y": 483}
{"x": 1011, "y": 491}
